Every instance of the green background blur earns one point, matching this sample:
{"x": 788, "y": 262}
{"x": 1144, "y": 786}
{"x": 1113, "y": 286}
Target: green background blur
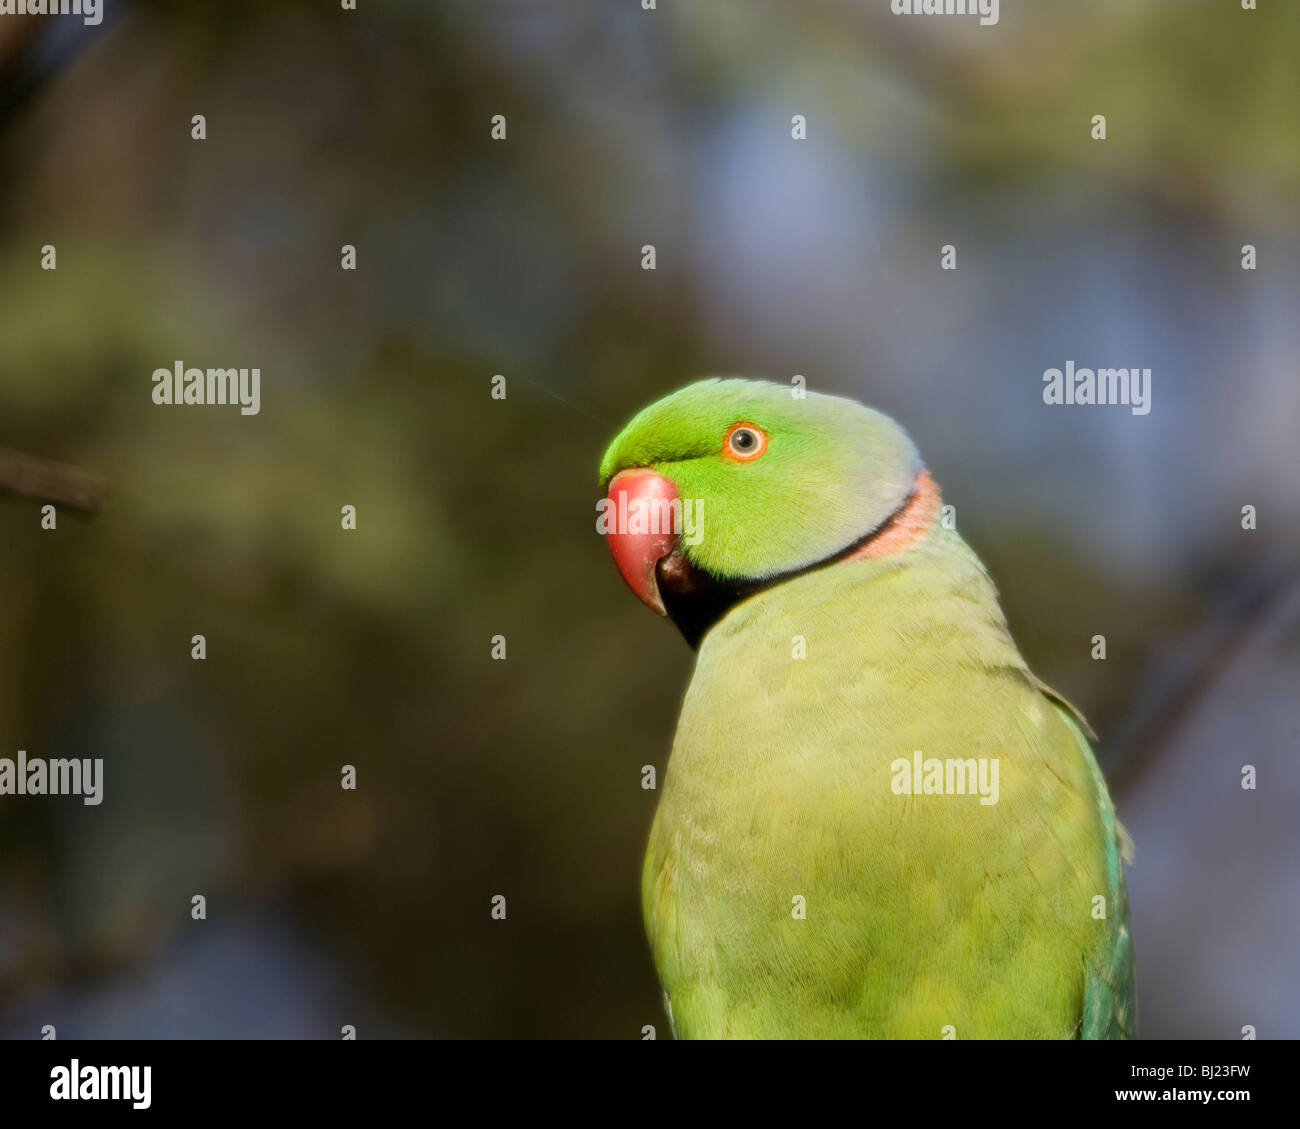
{"x": 477, "y": 517}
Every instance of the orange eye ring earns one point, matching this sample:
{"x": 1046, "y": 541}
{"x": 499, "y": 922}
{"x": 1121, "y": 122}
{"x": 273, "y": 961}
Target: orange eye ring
{"x": 744, "y": 442}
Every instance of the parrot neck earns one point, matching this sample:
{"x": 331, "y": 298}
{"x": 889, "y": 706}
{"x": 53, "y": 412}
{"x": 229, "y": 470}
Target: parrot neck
{"x": 696, "y": 600}
{"x": 905, "y": 527}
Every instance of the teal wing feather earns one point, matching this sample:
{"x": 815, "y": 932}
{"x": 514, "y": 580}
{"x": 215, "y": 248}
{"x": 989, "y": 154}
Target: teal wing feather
{"x": 1110, "y": 1001}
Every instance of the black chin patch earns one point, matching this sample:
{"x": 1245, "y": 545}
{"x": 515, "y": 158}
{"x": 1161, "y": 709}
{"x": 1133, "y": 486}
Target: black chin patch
{"x": 696, "y": 600}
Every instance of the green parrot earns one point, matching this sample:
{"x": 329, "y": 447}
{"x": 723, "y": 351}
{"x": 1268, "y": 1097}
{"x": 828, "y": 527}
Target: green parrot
{"x": 876, "y": 822}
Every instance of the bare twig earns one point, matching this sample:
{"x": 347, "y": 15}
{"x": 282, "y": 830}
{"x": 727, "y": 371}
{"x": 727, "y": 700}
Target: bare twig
{"x": 29, "y": 477}
{"x": 1174, "y": 692}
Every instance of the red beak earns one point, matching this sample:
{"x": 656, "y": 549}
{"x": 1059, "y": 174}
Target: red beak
{"x": 641, "y": 502}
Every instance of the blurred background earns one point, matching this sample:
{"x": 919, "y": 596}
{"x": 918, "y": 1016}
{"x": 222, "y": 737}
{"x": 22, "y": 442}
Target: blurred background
{"x": 476, "y": 516}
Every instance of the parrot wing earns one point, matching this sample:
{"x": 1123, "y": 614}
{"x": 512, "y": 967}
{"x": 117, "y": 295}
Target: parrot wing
{"x": 1110, "y": 1003}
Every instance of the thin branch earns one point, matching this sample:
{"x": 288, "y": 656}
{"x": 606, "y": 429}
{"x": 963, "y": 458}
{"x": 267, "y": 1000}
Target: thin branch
{"x": 1176, "y": 691}
{"x": 27, "y": 476}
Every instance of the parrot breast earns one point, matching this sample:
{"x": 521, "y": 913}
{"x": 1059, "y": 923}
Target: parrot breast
{"x": 789, "y": 891}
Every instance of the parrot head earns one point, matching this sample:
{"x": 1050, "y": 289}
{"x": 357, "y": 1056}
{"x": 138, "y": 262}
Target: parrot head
{"x": 728, "y": 486}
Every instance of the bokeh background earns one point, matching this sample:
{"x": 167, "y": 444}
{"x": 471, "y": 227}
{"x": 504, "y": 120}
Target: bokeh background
{"x": 522, "y": 257}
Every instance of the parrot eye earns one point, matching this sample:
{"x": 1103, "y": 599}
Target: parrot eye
{"x": 744, "y": 442}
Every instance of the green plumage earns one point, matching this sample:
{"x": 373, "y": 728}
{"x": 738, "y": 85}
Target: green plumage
{"x": 924, "y": 916}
